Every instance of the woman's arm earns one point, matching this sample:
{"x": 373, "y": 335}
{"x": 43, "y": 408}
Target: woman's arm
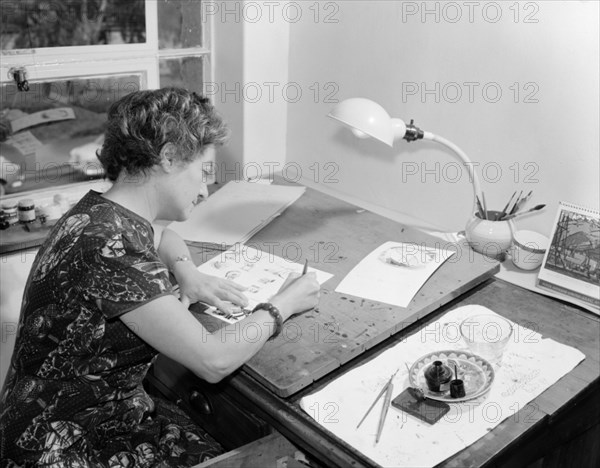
{"x": 193, "y": 285}
{"x": 167, "y": 326}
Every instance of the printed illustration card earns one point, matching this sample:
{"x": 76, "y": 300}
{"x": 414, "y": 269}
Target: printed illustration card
{"x": 572, "y": 262}
{"x": 261, "y": 273}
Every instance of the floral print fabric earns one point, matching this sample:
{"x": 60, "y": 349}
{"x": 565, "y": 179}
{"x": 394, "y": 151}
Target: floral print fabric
{"x": 73, "y": 395}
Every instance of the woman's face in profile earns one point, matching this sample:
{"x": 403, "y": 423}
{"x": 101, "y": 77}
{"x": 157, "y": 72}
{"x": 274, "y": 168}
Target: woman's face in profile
{"x": 187, "y": 186}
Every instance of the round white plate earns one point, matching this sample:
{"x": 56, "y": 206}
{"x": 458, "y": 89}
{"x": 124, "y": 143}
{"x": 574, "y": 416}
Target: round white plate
{"x": 476, "y": 373}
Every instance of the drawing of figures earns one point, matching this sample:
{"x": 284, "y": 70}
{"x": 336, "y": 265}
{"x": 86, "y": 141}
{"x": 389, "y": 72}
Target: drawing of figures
{"x": 232, "y": 274}
{"x": 282, "y": 273}
{"x": 266, "y": 280}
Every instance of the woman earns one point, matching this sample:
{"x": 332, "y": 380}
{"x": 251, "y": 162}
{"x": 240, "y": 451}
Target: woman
{"x": 99, "y": 306}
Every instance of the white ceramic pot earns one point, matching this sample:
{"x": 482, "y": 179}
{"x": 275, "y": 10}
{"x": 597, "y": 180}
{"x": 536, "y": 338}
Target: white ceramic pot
{"x": 488, "y": 237}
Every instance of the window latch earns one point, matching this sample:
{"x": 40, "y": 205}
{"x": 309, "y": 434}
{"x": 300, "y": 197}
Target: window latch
{"x": 20, "y": 77}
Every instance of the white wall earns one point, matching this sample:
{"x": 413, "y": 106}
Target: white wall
{"x": 251, "y": 68}
{"x": 376, "y": 49}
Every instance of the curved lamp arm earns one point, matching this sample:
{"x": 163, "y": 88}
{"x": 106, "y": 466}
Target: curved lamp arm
{"x": 473, "y": 177}
{"x": 368, "y": 119}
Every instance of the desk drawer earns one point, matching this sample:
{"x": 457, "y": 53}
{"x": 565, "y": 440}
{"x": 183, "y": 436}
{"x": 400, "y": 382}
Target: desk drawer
{"x": 211, "y": 405}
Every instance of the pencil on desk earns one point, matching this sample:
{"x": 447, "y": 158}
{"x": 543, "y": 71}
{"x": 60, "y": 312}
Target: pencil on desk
{"x": 385, "y": 390}
{"x": 384, "y": 410}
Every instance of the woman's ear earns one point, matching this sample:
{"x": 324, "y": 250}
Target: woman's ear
{"x": 168, "y": 157}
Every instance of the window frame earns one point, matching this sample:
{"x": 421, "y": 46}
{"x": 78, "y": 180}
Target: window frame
{"x": 45, "y": 63}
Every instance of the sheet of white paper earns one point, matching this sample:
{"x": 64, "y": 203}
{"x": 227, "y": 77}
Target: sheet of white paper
{"x": 261, "y": 273}
{"x": 530, "y": 365}
{"x": 393, "y": 273}
{"x": 236, "y": 212}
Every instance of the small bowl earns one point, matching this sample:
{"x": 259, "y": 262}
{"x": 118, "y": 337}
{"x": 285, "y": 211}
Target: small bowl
{"x": 528, "y": 249}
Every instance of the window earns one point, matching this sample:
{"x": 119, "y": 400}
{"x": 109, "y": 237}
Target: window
{"x": 65, "y": 61}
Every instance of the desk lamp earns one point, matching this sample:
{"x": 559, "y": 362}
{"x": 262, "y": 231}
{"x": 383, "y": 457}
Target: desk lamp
{"x": 368, "y": 119}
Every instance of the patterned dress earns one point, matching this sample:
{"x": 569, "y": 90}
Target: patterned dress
{"x": 73, "y": 396}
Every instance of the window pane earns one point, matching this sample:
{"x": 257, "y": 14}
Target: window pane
{"x": 183, "y": 72}
{"x": 30, "y": 24}
{"x": 179, "y": 24}
{"x": 49, "y": 135}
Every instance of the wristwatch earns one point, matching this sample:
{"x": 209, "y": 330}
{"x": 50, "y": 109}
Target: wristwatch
{"x": 274, "y": 312}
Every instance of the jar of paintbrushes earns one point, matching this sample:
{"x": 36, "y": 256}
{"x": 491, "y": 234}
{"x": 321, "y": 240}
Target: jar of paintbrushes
{"x": 491, "y": 232}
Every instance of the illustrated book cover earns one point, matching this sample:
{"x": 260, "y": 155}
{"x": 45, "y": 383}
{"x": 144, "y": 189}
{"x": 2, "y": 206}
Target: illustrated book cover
{"x": 571, "y": 264}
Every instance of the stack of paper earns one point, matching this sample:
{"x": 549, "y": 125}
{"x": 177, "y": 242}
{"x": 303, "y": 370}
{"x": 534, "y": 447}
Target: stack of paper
{"x": 236, "y": 212}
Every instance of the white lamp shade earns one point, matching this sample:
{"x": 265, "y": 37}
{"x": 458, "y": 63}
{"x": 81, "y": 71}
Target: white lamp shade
{"x": 367, "y": 117}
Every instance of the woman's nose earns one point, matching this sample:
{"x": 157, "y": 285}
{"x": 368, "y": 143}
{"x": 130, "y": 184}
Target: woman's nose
{"x": 203, "y": 192}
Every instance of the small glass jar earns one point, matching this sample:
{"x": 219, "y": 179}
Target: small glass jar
{"x": 9, "y": 209}
{"x": 26, "y": 211}
{"x": 49, "y": 214}
{"x": 62, "y": 201}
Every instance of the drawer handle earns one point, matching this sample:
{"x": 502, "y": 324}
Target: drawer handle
{"x": 200, "y": 403}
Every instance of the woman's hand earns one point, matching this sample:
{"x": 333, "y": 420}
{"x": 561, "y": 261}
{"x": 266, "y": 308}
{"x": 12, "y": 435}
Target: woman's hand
{"x": 199, "y": 287}
{"x": 298, "y": 294}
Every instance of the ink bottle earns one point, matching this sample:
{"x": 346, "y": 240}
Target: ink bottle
{"x": 457, "y": 388}
{"x": 437, "y": 376}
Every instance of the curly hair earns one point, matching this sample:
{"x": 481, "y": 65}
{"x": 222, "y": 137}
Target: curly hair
{"x": 141, "y": 123}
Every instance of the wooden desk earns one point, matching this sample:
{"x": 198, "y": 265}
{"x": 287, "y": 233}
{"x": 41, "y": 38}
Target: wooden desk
{"x": 335, "y": 236}
{"x": 565, "y": 410}
{"x": 348, "y": 331}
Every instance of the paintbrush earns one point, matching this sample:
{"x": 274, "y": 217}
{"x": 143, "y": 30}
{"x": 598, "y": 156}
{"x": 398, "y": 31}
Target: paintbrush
{"x": 515, "y": 215}
{"x": 523, "y": 200}
{"x": 516, "y": 205}
{"x": 503, "y": 212}
{"x": 484, "y": 204}
{"x": 480, "y": 207}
